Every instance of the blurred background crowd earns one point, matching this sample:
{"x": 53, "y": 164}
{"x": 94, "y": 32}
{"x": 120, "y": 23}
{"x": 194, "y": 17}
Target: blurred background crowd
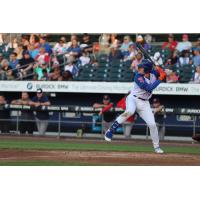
{"x": 95, "y": 57}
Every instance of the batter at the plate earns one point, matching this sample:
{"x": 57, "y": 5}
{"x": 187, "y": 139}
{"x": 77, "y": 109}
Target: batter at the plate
{"x": 145, "y": 81}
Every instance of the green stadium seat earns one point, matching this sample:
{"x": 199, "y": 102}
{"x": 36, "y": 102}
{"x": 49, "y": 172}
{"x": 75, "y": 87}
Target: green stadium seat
{"x": 102, "y": 69}
{"x": 118, "y": 70}
{"x": 116, "y": 63}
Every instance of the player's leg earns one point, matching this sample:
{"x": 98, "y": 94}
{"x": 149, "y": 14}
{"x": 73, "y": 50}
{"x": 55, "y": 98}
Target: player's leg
{"x": 146, "y": 114}
{"x": 130, "y": 110}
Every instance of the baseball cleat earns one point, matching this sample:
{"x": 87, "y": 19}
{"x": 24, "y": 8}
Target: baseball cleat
{"x": 108, "y": 135}
{"x": 158, "y": 150}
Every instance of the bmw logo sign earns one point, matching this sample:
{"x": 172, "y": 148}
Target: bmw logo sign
{"x": 29, "y": 86}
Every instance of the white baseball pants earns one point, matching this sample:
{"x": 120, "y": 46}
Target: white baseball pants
{"x": 133, "y": 104}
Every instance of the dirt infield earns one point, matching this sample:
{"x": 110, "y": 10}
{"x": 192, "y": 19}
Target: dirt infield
{"x": 92, "y": 157}
{"x": 100, "y": 158}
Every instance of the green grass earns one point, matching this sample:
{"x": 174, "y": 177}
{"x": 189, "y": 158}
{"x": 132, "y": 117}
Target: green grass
{"x": 16, "y": 144}
{"x": 64, "y": 145}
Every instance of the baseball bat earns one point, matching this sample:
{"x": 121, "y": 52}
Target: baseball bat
{"x": 145, "y": 53}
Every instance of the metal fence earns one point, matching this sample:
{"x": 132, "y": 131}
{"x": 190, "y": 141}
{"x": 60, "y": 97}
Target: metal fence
{"x": 78, "y": 111}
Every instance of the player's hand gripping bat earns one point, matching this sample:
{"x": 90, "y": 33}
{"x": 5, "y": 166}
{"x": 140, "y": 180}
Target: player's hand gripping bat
{"x": 147, "y": 56}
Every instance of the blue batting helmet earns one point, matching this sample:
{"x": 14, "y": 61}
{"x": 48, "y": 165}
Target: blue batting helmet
{"x": 147, "y": 65}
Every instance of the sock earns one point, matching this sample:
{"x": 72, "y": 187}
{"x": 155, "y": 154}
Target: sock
{"x": 114, "y": 126}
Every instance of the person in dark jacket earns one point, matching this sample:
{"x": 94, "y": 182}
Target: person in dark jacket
{"x": 26, "y": 120}
{"x": 42, "y": 117}
{"x": 4, "y": 116}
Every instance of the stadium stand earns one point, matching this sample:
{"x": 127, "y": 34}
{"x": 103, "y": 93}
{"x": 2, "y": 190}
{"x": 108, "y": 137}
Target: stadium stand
{"x": 52, "y": 59}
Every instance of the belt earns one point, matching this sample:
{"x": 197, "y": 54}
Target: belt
{"x": 140, "y": 98}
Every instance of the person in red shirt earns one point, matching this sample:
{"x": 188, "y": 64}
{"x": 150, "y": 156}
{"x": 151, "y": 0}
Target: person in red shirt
{"x": 128, "y": 125}
{"x": 42, "y": 56}
{"x": 171, "y": 44}
{"x": 108, "y": 117}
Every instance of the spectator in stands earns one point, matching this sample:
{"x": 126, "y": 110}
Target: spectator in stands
{"x": 60, "y": 47}
{"x": 86, "y": 43}
{"x": 25, "y": 41}
{"x": 171, "y": 44}
{"x": 45, "y": 75}
{"x": 137, "y": 61}
{"x": 6, "y": 70}
{"x": 115, "y": 54}
{"x": 26, "y": 59}
{"x": 13, "y": 43}
{"x": 70, "y": 67}
{"x": 185, "y": 44}
{"x": 66, "y": 76}
{"x": 33, "y": 51}
{"x": 26, "y": 119}
{"x": 113, "y": 40}
{"x": 74, "y": 49}
{"x": 159, "y": 114}
{"x": 73, "y": 37}
{"x": 1, "y": 39}
{"x": 45, "y": 44}
{"x": 4, "y": 116}
{"x": 34, "y": 40}
{"x": 19, "y": 51}
{"x": 196, "y": 77}
{"x": 172, "y": 60}
{"x": 158, "y": 59}
{"x": 125, "y": 45}
{"x": 56, "y": 72}
{"x": 143, "y": 42}
{"x": 13, "y": 60}
{"x": 40, "y": 69}
{"x": 108, "y": 117}
{"x": 104, "y": 40}
{"x": 198, "y": 43}
{"x": 171, "y": 76}
{"x": 84, "y": 59}
{"x": 26, "y": 64}
{"x": 131, "y": 53}
{"x": 148, "y": 38}
{"x": 184, "y": 59}
{"x": 196, "y": 57}
{"x": 43, "y": 56}
{"x": 42, "y": 117}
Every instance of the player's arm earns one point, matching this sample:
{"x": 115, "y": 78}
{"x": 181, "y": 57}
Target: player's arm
{"x": 140, "y": 81}
{"x": 159, "y": 73}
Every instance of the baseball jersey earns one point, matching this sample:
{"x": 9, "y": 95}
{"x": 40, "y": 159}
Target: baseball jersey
{"x": 143, "y": 86}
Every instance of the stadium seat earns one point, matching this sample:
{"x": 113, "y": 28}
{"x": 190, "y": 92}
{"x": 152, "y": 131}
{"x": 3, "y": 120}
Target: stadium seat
{"x": 116, "y": 63}
{"x": 100, "y": 76}
{"x": 115, "y": 76}
{"x": 185, "y": 73}
{"x": 102, "y": 69}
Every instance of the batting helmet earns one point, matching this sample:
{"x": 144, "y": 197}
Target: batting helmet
{"x": 147, "y": 65}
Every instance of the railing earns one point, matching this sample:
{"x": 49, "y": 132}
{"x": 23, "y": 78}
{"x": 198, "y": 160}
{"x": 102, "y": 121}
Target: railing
{"x": 89, "y": 111}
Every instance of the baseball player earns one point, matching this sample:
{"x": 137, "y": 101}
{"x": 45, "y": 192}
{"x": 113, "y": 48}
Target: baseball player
{"x": 145, "y": 81}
